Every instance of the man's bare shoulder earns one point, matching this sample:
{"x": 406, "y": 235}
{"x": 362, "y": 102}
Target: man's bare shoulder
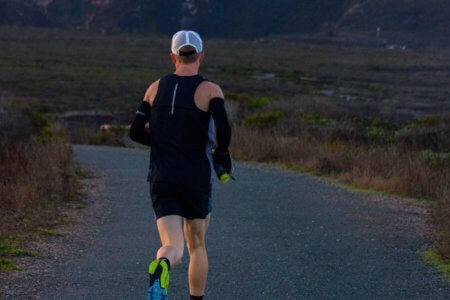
{"x": 211, "y": 90}
{"x": 151, "y": 92}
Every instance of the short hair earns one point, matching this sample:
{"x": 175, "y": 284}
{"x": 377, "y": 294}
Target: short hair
{"x": 187, "y": 59}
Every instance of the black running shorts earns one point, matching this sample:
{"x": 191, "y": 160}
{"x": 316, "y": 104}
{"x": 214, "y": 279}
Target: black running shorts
{"x": 190, "y": 202}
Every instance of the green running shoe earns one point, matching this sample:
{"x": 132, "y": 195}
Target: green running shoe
{"x": 159, "y": 280}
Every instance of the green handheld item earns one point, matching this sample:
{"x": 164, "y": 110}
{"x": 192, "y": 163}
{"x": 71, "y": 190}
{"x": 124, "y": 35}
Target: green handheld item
{"x": 225, "y": 177}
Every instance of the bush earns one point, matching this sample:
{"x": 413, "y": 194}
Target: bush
{"x": 33, "y": 175}
{"x": 351, "y": 163}
{"x": 36, "y": 170}
{"x": 430, "y": 121}
{"x": 113, "y": 136}
{"x": 263, "y": 120}
{"x": 316, "y": 119}
{"x": 430, "y": 132}
{"x": 436, "y": 139}
{"x": 379, "y": 135}
{"x": 258, "y": 102}
{"x": 433, "y": 159}
{"x": 247, "y": 100}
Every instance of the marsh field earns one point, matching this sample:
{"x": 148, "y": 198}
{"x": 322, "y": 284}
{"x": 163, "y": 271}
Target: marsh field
{"x": 375, "y": 118}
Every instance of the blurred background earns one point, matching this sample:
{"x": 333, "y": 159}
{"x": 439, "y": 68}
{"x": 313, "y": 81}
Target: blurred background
{"x": 357, "y": 91}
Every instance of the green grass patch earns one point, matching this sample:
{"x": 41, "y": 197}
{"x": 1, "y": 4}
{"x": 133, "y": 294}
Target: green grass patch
{"x": 376, "y": 134}
{"x": 316, "y": 119}
{"x": 434, "y": 159}
{"x": 258, "y": 102}
{"x": 443, "y": 264}
{"x": 9, "y": 248}
{"x": 360, "y": 190}
{"x": 262, "y": 119}
{"x": 251, "y": 102}
{"x": 7, "y": 265}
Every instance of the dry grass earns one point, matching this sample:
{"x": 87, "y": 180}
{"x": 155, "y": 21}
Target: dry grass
{"x": 34, "y": 178}
{"x": 37, "y": 175}
{"x": 380, "y": 168}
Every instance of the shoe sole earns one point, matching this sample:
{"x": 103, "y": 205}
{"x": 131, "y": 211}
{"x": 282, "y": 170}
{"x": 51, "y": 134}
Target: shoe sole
{"x": 155, "y": 292}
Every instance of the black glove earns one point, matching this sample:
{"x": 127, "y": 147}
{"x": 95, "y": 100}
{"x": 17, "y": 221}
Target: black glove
{"x": 222, "y": 162}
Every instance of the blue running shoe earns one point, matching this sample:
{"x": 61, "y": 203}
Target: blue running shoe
{"x": 159, "y": 280}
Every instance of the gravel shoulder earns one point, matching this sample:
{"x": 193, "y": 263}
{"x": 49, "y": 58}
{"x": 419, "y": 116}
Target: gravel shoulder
{"x": 274, "y": 235}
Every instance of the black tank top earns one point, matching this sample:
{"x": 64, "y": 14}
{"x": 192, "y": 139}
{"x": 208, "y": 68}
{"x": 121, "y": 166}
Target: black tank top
{"x": 182, "y": 135}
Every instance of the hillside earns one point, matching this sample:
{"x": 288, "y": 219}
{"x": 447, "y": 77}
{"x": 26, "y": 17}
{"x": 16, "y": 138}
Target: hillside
{"x": 13, "y": 12}
{"x": 399, "y": 16}
{"x": 232, "y": 18}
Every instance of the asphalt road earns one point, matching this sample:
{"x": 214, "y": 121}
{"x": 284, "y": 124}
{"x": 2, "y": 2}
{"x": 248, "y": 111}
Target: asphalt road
{"x": 273, "y": 235}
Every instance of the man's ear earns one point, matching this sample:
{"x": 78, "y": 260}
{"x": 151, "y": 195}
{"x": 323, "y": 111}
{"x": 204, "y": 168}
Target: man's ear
{"x": 173, "y": 58}
{"x": 202, "y": 57}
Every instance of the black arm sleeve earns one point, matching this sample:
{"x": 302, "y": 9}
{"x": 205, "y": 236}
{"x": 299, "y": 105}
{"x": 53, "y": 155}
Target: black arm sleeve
{"x": 223, "y": 129}
{"x": 137, "y": 129}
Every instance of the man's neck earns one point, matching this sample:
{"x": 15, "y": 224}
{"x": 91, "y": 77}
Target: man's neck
{"x": 186, "y": 70}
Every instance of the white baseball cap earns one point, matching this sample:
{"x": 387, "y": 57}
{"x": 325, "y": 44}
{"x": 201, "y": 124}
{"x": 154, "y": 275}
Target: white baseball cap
{"x": 186, "y": 38}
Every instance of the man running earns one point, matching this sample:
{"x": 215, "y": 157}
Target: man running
{"x": 186, "y": 114}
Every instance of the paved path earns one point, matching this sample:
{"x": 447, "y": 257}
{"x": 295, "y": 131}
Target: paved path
{"x": 273, "y": 235}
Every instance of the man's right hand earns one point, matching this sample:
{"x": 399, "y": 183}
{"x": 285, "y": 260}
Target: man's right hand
{"x": 222, "y": 162}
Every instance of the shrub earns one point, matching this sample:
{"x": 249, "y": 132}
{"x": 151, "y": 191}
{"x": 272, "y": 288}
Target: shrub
{"x": 258, "y": 102}
{"x": 418, "y": 138}
{"x": 379, "y": 135}
{"x": 430, "y": 132}
{"x": 316, "y": 119}
{"x": 113, "y": 136}
{"x": 36, "y": 171}
{"x": 264, "y": 119}
{"x": 240, "y": 97}
{"x": 33, "y": 175}
{"x": 356, "y": 164}
{"x": 247, "y": 100}
{"x": 430, "y": 121}
{"x": 433, "y": 159}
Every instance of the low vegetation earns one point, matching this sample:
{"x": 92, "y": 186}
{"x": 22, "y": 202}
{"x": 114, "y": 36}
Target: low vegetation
{"x": 37, "y": 176}
{"x": 440, "y": 262}
{"x": 113, "y": 135}
{"x": 366, "y": 116}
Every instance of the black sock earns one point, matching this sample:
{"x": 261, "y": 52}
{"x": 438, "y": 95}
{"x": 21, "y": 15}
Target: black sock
{"x": 196, "y": 297}
{"x": 166, "y": 260}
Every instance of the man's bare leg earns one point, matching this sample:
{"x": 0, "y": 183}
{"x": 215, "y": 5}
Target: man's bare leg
{"x": 194, "y": 233}
{"x": 171, "y": 234}
{"x": 170, "y": 230}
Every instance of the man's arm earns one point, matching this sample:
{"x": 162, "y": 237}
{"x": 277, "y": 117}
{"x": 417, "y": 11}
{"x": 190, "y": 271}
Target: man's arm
{"x": 221, "y": 155}
{"x": 137, "y": 129}
{"x": 223, "y": 129}
{"x": 138, "y": 133}
{"x": 219, "y": 114}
